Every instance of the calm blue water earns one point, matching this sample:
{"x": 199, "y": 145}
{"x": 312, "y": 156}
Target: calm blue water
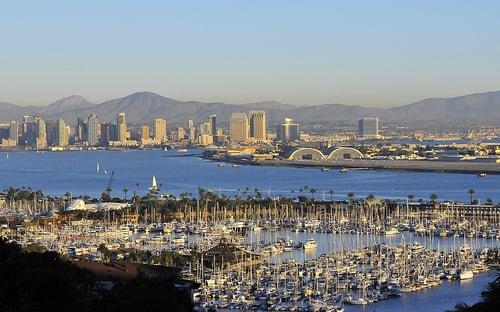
{"x": 56, "y": 173}
{"x": 440, "y": 298}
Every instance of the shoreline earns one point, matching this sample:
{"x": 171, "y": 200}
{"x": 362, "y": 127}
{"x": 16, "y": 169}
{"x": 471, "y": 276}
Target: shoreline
{"x": 390, "y": 165}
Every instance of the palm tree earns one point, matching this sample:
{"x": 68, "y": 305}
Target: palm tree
{"x": 108, "y": 191}
{"x": 350, "y": 195}
{"x": 410, "y": 197}
{"x": 125, "y": 190}
{"x": 433, "y": 198}
{"x": 331, "y": 192}
{"x": 312, "y": 191}
{"x": 471, "y": 192}
{"x": 489, "y": 201}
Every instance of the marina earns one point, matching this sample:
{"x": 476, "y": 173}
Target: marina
{"x": 265, "y": 254}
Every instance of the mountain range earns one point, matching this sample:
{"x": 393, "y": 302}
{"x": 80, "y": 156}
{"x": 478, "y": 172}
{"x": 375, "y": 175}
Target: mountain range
{"x": 143, "y": 107}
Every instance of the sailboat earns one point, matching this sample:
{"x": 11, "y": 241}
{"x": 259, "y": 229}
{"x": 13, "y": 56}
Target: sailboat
{"x": 154, "y": 186}
{"x": 97, "y": 169}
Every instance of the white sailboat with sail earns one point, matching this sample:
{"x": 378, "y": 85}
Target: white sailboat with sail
{"x": 154, "y": 186}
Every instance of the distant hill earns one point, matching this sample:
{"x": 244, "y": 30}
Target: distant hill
{"x": 479, "y": 106}
{"x": 143, "y": 107}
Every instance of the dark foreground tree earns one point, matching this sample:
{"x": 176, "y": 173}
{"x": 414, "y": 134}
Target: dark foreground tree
{"x": 43, "y": 281}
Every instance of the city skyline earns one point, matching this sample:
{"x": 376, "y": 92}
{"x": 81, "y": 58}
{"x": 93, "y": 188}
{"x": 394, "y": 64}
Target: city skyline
{"x": 371, "y": 54}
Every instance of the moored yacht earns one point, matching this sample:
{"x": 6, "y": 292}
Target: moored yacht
{"x": 466, "y": 274}
{"x": 310, "y": 244}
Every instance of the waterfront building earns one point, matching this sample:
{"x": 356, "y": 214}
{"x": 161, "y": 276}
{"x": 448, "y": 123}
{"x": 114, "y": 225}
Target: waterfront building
{"x": 14, "y": 131}
{"x": 160, "y": 130}
{"x": 51, "y": 128}
{"x": 41, "y": 137}
{"x": 181, "y": 133}
{"x": 288, "y": 131}
{"x": 258, "y": 125}
{"x": 238, "y": 128}
{"x": 206, "y": 128}
{"x": 212, "y": 120}
{"x": 108, "y": 133}
{"x": 80, "y": 129}
{"x": 62, "y": 137}
{"x": 192, "y": 134}
{"x": 121, "y": 127}
{"x": 93, "y": 135}
{"x": 144, "y": 133}
{"x": 368, "y": 128}
{"x": 25, "y": 124}
{"x": 206, "y": 139}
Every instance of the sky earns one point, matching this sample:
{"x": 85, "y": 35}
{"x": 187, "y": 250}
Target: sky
{"x": 370, "y": 53}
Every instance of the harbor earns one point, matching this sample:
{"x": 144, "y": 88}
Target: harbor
{"x": 75, "y": 172}
{"x": 272, "y": 254}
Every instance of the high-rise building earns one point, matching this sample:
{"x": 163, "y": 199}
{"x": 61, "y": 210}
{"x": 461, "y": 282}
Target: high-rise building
{"x": 368, "y": 128}
{"x": 14, "y": 131}
{"x": 121, "y": 127}
{"x": 206, "y": 128}
{"x": 190, "y": 124}
{"x": 41, "y": 135}
{"x": 92, "y": 130}
{"x": 80, "y": 129}
{"x": 192, "y": 134}
{"x": 25, "y": 125}
{"x": 238, "y": 128}
{"x": 108, "y": 133}
{"x": 62, "y": 137}
{"x": 212, "y": 120}
{"x": 181, "y": 133}
{"x": 288, "y": 131}
{"x": 160, "y": 130}
{"x": 258, "y": 125}
{"x": 145, "y": 133}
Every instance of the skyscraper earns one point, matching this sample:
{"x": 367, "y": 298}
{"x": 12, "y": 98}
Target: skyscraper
{"x": 192, "y": 134}
{"x": 212, "y": 120}
{"x": 80, "y": 129}
{"x": 160, "y": 130}
{"x": 14, "y": 131}
{"x": 108, "y": 133}
{"x": 41, "y": 135}
{"x": 368, "y": 128}
{"x": 181, "y": 133}
{"x": 206, "y": 128}
{"x": 121, "y": 127}
{"x": 62, "y": 138}
{"x": 145, "y": 133}
{"x": 288, "y": 131}
{"x": 238, "y": 128}
{"x": 258, "y": 125}
{"x": 92, "y": 126}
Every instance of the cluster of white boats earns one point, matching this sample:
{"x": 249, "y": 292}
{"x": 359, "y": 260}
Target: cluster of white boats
{"x": 357, "y": 277}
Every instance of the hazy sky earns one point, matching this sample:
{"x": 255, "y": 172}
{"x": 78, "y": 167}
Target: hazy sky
{"x": 372, "y": 53}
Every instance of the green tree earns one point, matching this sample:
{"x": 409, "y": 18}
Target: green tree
{"x": 312, "y": 191}
{"x": 331, "y": 192}
{"x": 433, "y": 198}
{"x": 350, "y": 195}
{"x": 471, "y": 192}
